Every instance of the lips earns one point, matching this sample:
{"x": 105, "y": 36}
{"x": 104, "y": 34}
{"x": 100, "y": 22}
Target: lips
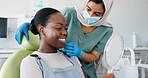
{"x": 62, "y": 40}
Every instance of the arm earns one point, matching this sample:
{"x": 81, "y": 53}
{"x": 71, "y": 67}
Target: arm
{"x": 72, "y": 49}
{"x": 98, "y": 49}
{"x": 90, "y": 57}
{"x": 29, "y": 68}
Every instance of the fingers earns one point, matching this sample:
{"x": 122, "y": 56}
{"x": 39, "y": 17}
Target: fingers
{"x": 68, "y": 48}
{"x": 110, "y": 75}
{"x": 18, "y": 37}
{"x": 69, "y": 44}
{"x": 26, "y": 35}
{"x": 70, "y": 54}
{"x": 71, "y": 49}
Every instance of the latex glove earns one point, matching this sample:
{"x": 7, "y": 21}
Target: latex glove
{"x": 72, "y": 49}
{"x": 23, "y": 29}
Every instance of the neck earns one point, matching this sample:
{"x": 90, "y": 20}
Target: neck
{"x": 87, "y": 30}
{"x": 45, "y": 51}
{"x": 45, "y": 48}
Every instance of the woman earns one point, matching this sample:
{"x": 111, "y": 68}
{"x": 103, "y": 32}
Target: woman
{"x": 88, "y": 32}
{"x": 48, "y": 61}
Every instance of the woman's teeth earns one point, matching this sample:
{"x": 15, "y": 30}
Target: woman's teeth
{"x": 62, "y": 40}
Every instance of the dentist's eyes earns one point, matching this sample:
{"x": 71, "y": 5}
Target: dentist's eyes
{"x": 98, "y": 14}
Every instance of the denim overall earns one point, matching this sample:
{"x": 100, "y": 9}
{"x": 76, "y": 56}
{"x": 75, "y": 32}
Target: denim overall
{"x": 73, "y": 71}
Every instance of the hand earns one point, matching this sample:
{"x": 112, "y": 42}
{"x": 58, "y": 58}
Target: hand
{"x": 23, "y": 29}
{"x": 110, "y": 75}
{"x": 72, "y": 49}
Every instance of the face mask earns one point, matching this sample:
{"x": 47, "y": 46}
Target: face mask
{"x": 88, "y": 19}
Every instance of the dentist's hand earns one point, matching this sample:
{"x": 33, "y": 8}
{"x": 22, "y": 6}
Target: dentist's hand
{"x": 23, "y": 29}
{"x": 72, "y": 49}
{"x": 110, "y": 75}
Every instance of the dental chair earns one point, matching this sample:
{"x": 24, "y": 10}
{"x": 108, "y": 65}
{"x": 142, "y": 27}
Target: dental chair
{"x": 11, "y": 67}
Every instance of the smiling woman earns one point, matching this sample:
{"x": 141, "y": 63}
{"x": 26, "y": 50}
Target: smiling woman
{"x": 48, "y": 61}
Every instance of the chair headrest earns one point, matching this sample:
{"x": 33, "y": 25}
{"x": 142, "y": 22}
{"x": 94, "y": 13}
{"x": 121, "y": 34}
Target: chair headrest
{"x": 32, "y": 43}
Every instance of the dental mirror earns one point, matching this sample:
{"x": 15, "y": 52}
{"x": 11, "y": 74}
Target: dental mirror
{"x": 113, "y": 52}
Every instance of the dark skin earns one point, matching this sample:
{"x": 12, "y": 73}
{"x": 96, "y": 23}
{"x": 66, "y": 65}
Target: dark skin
{"x": 52, "y": 34}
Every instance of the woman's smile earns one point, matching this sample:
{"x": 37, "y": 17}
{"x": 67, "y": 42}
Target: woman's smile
{"x": 62, "y": 40}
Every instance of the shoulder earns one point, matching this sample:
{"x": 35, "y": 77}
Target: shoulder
{"x": 106, "y": 28}
{"x": 69, "y": 12}
{"x": 29, "y": 64}
{"x": 29, "y": 61}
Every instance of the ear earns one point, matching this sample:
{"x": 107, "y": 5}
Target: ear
{"x": 40, "y": 29}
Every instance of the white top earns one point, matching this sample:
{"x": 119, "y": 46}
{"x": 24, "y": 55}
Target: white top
{"x": 30, "y": 68}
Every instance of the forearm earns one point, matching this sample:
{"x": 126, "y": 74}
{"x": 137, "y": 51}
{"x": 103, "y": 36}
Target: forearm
{"x": 72, "y": 49}
{"x": 90, "y": 57}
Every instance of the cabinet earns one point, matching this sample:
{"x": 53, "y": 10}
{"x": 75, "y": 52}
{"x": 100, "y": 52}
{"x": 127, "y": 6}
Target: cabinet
{"x": 141, "y": 53}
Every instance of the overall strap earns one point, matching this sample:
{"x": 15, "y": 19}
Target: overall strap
{"x": 38, "y": 60}
{"x": 70, "y": 58}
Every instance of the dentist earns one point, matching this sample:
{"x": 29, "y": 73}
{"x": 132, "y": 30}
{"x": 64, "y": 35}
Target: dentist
{"x": 88, "y": 32}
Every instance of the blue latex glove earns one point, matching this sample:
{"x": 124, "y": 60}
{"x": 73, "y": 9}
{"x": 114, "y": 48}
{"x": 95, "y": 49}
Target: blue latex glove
{"x": 72, "y": 49}
{"x": 23, "y": 29}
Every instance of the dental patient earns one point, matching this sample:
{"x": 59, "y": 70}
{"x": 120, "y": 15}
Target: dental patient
{"x": 48, "y": 61}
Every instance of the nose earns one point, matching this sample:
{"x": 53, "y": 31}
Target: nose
{"x": 91, "y": 13}
{"x": 64, "y": 32}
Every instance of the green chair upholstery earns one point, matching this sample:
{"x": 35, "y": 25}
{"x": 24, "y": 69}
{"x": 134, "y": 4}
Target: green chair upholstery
{"x": 11, "y": 67}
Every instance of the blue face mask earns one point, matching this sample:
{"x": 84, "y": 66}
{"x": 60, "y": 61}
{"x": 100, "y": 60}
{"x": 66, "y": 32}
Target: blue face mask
{"x": 88, "y": 19}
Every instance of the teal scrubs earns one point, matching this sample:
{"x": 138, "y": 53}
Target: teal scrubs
{"x": 95, "y": 40}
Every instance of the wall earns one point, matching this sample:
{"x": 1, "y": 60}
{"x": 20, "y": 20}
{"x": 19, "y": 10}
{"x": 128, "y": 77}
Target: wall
{"x": 15, "y": 7}
{"x": 127, "y": 16}
{"x": 24, "y": 6}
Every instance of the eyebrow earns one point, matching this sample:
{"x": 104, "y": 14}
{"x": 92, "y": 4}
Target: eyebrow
{"x": 88, "y": 7}
{"x": 60, "y": 24}
{"x": 95, "y": 11}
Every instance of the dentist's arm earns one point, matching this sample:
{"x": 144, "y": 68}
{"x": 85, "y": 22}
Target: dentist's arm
{"x": 72, "y": 49}
{"x": 90, "y": 57}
